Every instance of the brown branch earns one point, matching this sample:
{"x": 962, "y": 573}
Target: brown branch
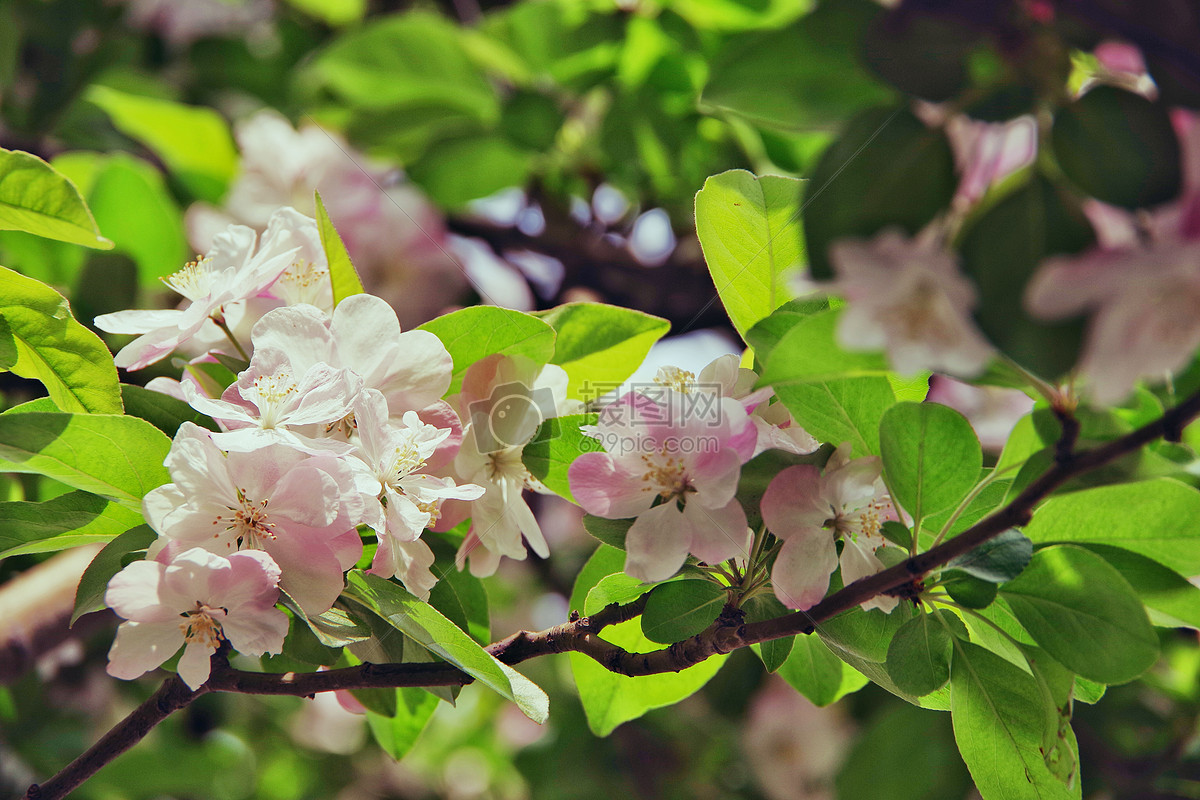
{"x": 581, "y": 635}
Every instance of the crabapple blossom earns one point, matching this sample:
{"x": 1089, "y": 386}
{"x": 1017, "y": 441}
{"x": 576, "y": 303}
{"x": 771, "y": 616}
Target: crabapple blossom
{"x": 988, "y": 152}
{"x": 275, "y": 402}
{"x": 196, "y": 600}
{"x": 411, "y": 368}
{"x": 394, "y": 459}
{"x": 808, "y": 510}
{"x": 504, "y": 399}
{"x": 1124, "y": 342}
{"x": 676, "y": 473}
{"x": 239, "y": 266}
{"x": 723, "y": 377}
{"x": 906, "y": 296}
{"x": 302, "y": 510}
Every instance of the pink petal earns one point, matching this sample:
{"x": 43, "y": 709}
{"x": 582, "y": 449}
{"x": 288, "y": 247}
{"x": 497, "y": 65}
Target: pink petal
{"x": 606, "y": 488}
{"x": 195, "y": 663}
{"x": 134, "y": 593}
{"x": 792, "y": 504}
{"x": 802, "y": 568}
{"x": 718, "y": 533}
{"x": 142, "y": 646}
{"x": 657, "y": 544}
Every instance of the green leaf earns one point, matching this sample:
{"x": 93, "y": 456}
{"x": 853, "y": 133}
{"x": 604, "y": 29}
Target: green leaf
{"x": 496, "y": 164}
{"x": 193, "y": 141}
{"x": 609, "y": 698}
{"x": 815, "y": 672}
{"x": 1171, "y": 600}
{"x": 918, "y": 657}
{"x": 113, "y": 456}
{"x": 903, "y": 753}
{"x": 845, "y": 410}
{"x": 1155, "y": 518}
{"x": 600, "y": 345}
{"x": 555, "y": 446}
{"x": 71, "y": 361}
{"x": 161, "y": 410}
{"x": 997, "y": 560}
{"x": 473, "y": 333}
{"x": 931, "y": 456}
{"x": 413, "y": 59}
{"x": 809, "y": 353}
{"x": 749, "y": 230}
{"x": 89, "y": 595}
{"x": 1118, "y": 147}
{"x": 134, "y": 207}
{"x": 422, "y": 623}
{"x": 37, "y": 199}
{"x": 887, "y": 169}
{"x": 336, "y": 13}
{"x": 761, "y": 608}
{"x": 815, "y": 75}
{"x": 396, "y": 734}
{"x": 341, "y": 271}
{"x": 969, "y": 591}
{"x": 68, "y": 520}
{"x": 335, "y": 628}
{"x": 1081, "y": 611}
{"x": 611, "y": 532}
{"x": 1000, "y": 251}
{"x": 680, "y": 609}
{"x": 460, "y": 596}
{"x": 999, "y": 721}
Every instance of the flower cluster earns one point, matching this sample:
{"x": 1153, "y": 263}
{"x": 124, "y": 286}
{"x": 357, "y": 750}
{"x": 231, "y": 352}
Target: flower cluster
{"x": 337, "y": 424}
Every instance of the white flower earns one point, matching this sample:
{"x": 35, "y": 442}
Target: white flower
{"x": 906, "y": 296}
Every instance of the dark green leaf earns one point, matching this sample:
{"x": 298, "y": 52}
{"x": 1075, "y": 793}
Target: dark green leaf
{"x": 609, "y": 531}
{"x": 997, "y": 560}
{"x": 969, "y": 591}
{"x": 398, "y": 732}
{"x": 89, "y": 596}
{"x": 1171, "y": 600}
{"x": 918, "y": 657}
{"x": 1118, "y": 147}
{"x": 161, "y": 410}
{"x": 680, "y": 609}
{"x": 887, "y": 169}
{"x": 761, "y": 608}
{"x": 1002, "y": 248}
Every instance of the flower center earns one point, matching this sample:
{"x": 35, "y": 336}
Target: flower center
{"x": 249, "y": 523}
{"x": 406, "y": 460}
{"x": 675, "y": 378}
{"x": 666, "y": 475}
{"x": 866, "y": 522}
{"x": 507, "y": 464}
{"x": 270, "y": 392}
{"x": 302, "y": 282}
{"x": 194, "y": 280}
{"x": 201, "y": 626}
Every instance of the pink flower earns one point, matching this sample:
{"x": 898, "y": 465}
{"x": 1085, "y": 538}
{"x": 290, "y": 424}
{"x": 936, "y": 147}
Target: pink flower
{"x": 809, "y": 511}
{"x": 273, "y": 402}
{"x": 906, "y": 296}
{"x": 411, "y": 368}
{"x": 235, "y": 269}
{"x": 393, "y": 460}
{"x": 504, "y": 398}
{"x": 302, "y": 510}
{"x": 723, "y": 377}
{"x": 988, "y": 152}
{"x": 677, "y": 473}
{"x": 197, "y": 600}
{"x": 1143, "y": 304}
